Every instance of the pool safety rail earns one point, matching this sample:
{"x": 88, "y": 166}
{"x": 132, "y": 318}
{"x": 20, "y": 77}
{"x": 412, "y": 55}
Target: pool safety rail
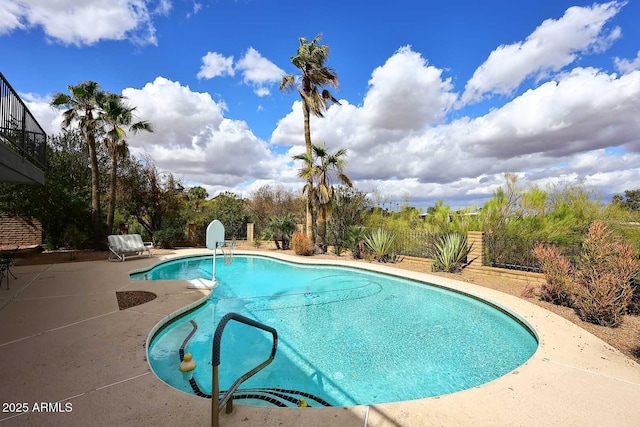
{"x": 227, "y": 399}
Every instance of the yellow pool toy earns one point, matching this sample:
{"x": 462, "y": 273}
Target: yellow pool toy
{"x": 187, "y": 364}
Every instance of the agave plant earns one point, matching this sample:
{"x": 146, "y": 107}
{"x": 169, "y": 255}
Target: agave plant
{"x": 381, "y": 244}
{"x": 451, "y": 252}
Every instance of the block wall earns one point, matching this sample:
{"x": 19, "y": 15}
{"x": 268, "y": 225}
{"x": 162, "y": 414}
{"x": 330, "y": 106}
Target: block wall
{"x": 20, "y": 231}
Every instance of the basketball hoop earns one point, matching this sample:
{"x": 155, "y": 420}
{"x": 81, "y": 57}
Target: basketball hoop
{"x": 227, "y": 251}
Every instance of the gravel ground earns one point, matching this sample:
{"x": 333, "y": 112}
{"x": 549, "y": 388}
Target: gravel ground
{"x": 625, "y": 338}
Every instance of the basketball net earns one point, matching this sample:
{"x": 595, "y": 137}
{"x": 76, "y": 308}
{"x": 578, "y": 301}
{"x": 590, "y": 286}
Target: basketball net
{"x": 227, "y": 251}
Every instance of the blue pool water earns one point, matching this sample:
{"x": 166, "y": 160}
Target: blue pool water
{"x": 346, "y": 336}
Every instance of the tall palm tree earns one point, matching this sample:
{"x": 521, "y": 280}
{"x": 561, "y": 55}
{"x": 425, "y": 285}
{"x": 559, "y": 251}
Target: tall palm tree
{"x": 116, "y": 115}
{"x": 310, "y": 60}
{"x": 82, "y": 106}
{"x": 323, "y": 165}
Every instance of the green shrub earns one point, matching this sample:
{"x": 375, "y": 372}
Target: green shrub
{"x": 167, "y": 237}
{"x": 451, "y": 252}
{"x": 355, "y": 241}
{"x": 280, "y": 229}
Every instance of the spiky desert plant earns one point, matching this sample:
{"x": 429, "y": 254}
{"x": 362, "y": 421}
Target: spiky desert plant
{"x": 381, "y": 242}
{"x": 451, "y": 252}
{"x": 607, "y": 266}
{"x": 559, "y": 287}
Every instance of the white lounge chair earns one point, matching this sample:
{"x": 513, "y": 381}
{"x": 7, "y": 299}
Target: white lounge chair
{"x": 123, "y": 246}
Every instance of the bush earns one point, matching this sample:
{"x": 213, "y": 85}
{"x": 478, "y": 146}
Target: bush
{"x": 607, "y": 267}
{"x": 167, "y": 237}
{"x": 355, "y": 241}
{"x": 301, "y": 244}
{"x": 451, "y": 252}
{"x": 559, "y": 286}
{"x": 601, "y": 289}
{"x": 634, "y": 305}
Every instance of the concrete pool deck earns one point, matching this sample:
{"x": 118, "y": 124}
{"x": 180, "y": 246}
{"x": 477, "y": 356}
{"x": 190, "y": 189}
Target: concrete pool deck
{"x": 63, "y": 339}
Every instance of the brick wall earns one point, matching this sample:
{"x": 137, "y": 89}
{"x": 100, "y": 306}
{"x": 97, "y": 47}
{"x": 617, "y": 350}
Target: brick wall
{"x": 20, "y": 231}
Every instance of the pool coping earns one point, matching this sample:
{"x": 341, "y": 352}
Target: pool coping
{"x": 573, "y": 378}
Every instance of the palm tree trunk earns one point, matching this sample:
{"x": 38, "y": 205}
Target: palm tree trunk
{"x": 321, "y": 238}
{"x": 112, "y": 193}
{"x": 96, "y": 215}
{"x": 307, "y": 140}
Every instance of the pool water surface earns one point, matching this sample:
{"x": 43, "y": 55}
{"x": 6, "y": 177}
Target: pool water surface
{"x": 346, "y": 336}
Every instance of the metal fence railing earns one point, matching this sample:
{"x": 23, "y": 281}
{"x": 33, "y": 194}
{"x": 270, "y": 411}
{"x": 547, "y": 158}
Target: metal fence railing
{"x": 19, "y": 130}
{"x": 413, "y": 243}
{"x": 516, "y": 254}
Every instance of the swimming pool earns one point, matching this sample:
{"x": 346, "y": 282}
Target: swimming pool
{"x": 346, "y": 336}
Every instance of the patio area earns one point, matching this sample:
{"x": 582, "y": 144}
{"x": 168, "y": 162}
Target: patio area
{"x": 70, "y": 357}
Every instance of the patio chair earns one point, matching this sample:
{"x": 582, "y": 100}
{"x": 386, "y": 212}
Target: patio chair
{"x": 6, "y": 262}
{"x": 123, "y": 246}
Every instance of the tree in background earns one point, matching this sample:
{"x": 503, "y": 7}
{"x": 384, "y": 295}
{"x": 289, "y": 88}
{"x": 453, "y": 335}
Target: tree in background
{"x": 310, "y": 60}
{"x": 317, "y": 172}
{"x": 351, "y": 205}
{"x": 82, "y": 107}
{"x": 63, "y": 203}
{"x": 230, "y": 210}
{"x": 630, "y": 201}
{"x": 196, "y": 197}
{"x": 117, "y": 116}
{"x": 273, "y": 200}
{"x": 155, "y": 200}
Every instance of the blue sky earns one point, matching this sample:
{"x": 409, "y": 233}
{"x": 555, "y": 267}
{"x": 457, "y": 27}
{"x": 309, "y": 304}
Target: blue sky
{"x": 439, "y": 99}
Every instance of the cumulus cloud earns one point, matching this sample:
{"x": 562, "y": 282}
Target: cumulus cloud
{"x": 396, "y": 99}
{"x": 552, "y": 46}
{"x": 214, "y": 65}
{"x": 558, "y": 132}
{"x": 627, "y": 66}
{"x": 84, "y": 22}
{"x": 194, "y": 140}
{"x": 257, "y": 71}
{"x": 49, "y": 118}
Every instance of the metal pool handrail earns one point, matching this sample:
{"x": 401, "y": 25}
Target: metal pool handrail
{"x": 227, "y": 399}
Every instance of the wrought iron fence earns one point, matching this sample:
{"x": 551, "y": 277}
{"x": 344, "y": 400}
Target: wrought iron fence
{"x": 418, "y": 244}
{"x": 19, "y": 130}
{"x": 515, "y": 254}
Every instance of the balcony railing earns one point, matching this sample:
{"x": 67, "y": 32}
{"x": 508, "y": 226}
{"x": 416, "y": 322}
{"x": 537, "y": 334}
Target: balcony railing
{"x": 19, "y": 130}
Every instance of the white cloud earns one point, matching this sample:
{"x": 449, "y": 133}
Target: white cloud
{"x": 83, "y": 22}
{"x": 214, "y": 65}
{"x": 49, "y": 118}
{"x": 11, "y": 14}
{"x": 258, "y": 71}
{"x": 396, "y": 99}
{"x": 558, "y": 132}
{"x": 194, "y": 140}
{"x": 552, "y": 46}
{"x": 626, "y": 66}
{"x": 197, "y": 7}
